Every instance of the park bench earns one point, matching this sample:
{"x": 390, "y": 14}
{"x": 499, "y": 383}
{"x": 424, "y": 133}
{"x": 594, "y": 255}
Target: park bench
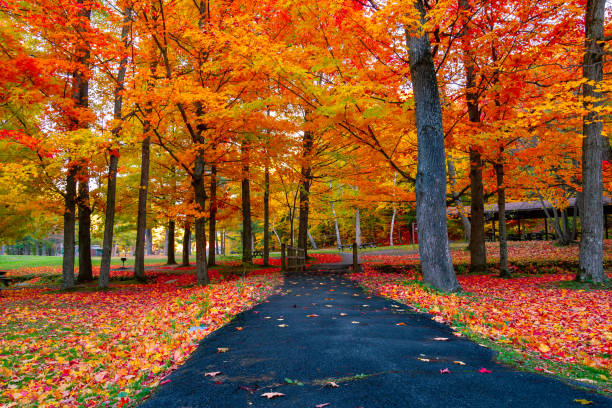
{"x": 368, "y": 245}
{"x": 5, "y": 279}
{"x": 258, "y": 253}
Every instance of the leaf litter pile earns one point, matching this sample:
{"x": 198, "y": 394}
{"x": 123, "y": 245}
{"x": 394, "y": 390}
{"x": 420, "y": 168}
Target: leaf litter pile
{"x": 111, "y": 348}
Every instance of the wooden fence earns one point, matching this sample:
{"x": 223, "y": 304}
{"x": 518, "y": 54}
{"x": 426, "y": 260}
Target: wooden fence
{"x": 293, "y": 259}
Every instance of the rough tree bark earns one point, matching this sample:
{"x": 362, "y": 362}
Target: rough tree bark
{"x": 170, "y": 242}
{"x": 591, "y": 241}
{"x": 306, "y": 172}
{"x": 212, "y": 248}
{"x": 85, "y": 270}
{"x": 149, "y": 241}
{"x": 357, "y": 226}
{"x": 434, "y": 250}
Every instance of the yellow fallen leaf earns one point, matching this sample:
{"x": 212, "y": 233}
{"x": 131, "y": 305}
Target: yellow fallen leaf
{"x": 583, "y": 401}
{"x": 459, "y": 362}
{"x": 543, "y": 348}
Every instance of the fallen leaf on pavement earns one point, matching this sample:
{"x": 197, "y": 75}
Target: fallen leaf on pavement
{"x": 423, "y": 359}
{"x": 322, "y": 405}
{"x": 283, "y": 325}
{"x": 222, "y": 349}
{"x": 459, "y": 362}
{"x": 445, "y": 371}
{"x": 269, "y": 395}
{"x": 583, "y": 401}
{"x": 332, "y": 384}
{"x": 212, "y": 374}
{"x": 400, "y": 324}
{"x": 484, "y": 371}
{"x": 312, "y": 315}
{"x": 440, "y": 338}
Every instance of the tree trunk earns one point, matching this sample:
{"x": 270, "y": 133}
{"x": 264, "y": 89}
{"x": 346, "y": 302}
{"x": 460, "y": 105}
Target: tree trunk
{"x": 247, "y": 232}
{"x": 266, "y": 232}
{"x": 275, "y": 233}
{"x": 212, "y": 250}
{"x": 357, "y": 226}
{"x": 200, "y": 224}
{"x": 69, "y": 230}
{"x": 338, "y": 240}
{"x": 186, "y": 244}
{"x": 478, "y": 254}
{"x": 591, "y": 240}
{"x": 312, "y": 241}
{"x": 85, "y": 270}
{"x": 170, "y": 242}
{"x": 394, "y": 212}
{"x": 109, "y": 221}
{"x": 504, "y": 271}
{"x": 434, "y": 250}
{"x": 139, "y": 271}
{"x": 306, "y": 173}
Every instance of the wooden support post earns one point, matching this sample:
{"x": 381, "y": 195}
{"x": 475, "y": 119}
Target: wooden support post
{"x": 493, "y": 223}
{"x": 283, "y": 258}
{"x": 355, "y": 258}
{"x": 519, "y": 228}
{"x": 545, "y": 228}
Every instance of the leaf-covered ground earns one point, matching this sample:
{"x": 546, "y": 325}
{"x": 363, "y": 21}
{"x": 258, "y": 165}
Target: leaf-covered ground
{"x": 518, "y": 251}
{"x": 93, "y": 348}
{"x": 532, "y": 315}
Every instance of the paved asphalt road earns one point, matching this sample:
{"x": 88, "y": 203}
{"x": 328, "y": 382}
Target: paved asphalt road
{"x": 322, "y": 329}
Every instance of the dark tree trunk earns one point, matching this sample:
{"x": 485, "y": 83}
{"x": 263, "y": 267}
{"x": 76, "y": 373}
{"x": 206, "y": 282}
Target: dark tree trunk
{"x": 69, "y": 230}
{"x": 109, "y": 222}
{"x": 247, "y": 231}
{"x": 504, "y": 271}
{"x": 186, "y": 244}
{"x": 85, "y": 270}
{"x": 170, "y": 243}
{"x": 139, "y": 271}
{"x": 212, "y": 250}
{"x": 434, "y": 251}
{"x": 200, "y": 223}
{"x": 306, "y": 172}
{"x": 467, "y": 227}
{"x": 266, "y": 232}
{"x": 591, "y": 240}
{"x": 478, "y": 254}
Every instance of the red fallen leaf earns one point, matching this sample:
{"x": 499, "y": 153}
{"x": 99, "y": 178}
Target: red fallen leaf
{"x": 164, "y": 382}
{"x": 445, "y": 371}
{"x": 270, "y": 395}
{"x": 212, "y": 374}
{"x": 400, "y": 324}
{"x": 238, "y": 328}
{"x": 218, "y": 382}
{"x": 250, "y": 390}
{"x": 312, "y": 315}
{"x": 322, "y": 405}
{"x": 332, "y": 384}
{"x": 484, "y": 371}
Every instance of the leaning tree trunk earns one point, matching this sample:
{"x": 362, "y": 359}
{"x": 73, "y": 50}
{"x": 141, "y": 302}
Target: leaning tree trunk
{"x": 170, "y": 242}
{"x": 394, "y": 213}
{"x": 434, "y": 250}
{"x": 85, "y": 269}
{"x": 591, "y": 240}
{"x": 212, "y": 249}
{"x": 69, "y": 230}
{"x": 312, "y": 241}
{"x": 200, "y": 223}
{"x": 504, "y": 271}
{"x": 141, "y": 226}
{"x": 186, "y": 245}
{"x": 338, "y": 240}
{"x": 266, "y": 232}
